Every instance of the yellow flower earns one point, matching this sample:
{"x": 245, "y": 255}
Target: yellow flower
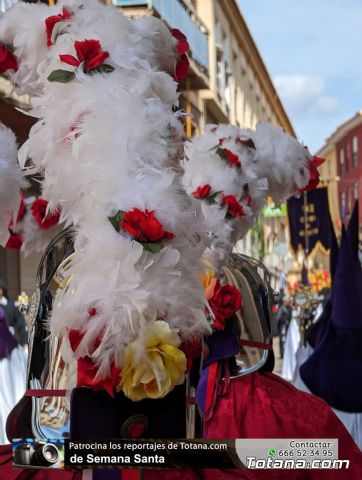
{"x": 206, "y": 277}
{"x": 154, "y": 364}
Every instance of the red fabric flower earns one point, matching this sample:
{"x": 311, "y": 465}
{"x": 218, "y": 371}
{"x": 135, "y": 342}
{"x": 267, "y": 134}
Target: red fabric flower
{"x": 232, "y": 158}
{"x": 8, "y": 61}
{"x": 144, "y": 226}
{"x": 86, "y": 370}
{"x": 235, "y": 209}
{"x": 202, "y": 192}
{"x": 38, "y": 210}
{"x": 191, "y": 350}
{"x": 313, "y": 174}
{"x": 89, "y": 52}
{"x": 224, "y": 303}
{"x": 50, "y": 23}
{"x": 182, "y": 46}
{"x": 15, "y": 241}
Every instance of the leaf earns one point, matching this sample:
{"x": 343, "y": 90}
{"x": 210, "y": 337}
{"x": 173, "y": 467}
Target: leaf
{"x": 61, "y": 76}
{"x": 222, "y": 154}
{"x": 105, "y": 68}
{"x": 212, "y": 198}
{"x": 116, "y": 220}
{"x": 153, "y": 247}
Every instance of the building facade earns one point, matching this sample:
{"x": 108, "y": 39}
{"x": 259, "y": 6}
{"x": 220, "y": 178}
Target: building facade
{"x": 344, "y": 155}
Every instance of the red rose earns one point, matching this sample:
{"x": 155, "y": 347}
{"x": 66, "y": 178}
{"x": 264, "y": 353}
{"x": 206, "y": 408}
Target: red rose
{"x": 50, "y": 23}
{"x": 232, "y": 158}
{"x": 225, "y": 302}
{"x": 182, "y": 46}
{"x": 8, "y": 61}
{"x": 86, "y": 370}
{"x": 89, "y": 52}
{"x": 235, "y": 209}
{"x": 313, "y": 174}
{"x": 144, "y": 226}
{"x": 38, "y": 210}
{"x": 15, "y": 241}
{"x": 202, "y": 192}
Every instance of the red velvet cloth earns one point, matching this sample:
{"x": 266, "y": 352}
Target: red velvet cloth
{"x": 256, "y": 406}
{"x": 265, "y": 406}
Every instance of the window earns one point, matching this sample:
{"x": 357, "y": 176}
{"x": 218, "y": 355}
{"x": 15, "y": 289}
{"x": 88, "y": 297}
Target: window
{"x": 343, "y": 205}
{"x": 346, "y": 158}
{"x": 341, "y": 162}
{"x": 355, "y": 152}
{"x": 356, "y": 190}
{"x": 349, "y": 200}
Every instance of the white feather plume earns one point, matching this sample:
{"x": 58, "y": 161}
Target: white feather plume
{"x": 11, "y": 181}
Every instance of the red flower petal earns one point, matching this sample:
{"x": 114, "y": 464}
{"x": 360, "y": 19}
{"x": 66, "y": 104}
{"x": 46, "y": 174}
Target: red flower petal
{"x": 15, "y": 241}
{"x": 182, "y": 45}
{"x": 132, "y": 231}
{"x": 87, "y": 49}
{"x": 235, "y": 209}
{"x": 8, "y": 61}
{"x": 38, "y": 209}
{"x": 51, "y": 21}
{"x": 96, "y": 61}
{"x": 182, "y": 68}
{"x": 70, "y": 60}
{"x": 202, "y": 191}
{"x": 151, "y": 228}
{"x": 232, "y": 158}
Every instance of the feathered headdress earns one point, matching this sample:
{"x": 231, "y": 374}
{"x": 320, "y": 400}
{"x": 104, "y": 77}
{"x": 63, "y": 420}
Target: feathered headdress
{"x": 108, "y": 145}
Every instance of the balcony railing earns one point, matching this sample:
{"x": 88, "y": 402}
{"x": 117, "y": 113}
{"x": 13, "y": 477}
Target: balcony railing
{"x": 177, "y": 14}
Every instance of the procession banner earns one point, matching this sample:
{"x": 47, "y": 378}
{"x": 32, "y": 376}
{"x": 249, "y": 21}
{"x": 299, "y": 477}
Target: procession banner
{"x": 310, "y": 222}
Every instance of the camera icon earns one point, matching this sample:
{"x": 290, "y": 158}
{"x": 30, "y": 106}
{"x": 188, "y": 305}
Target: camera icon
{"x": 36, "y": 454}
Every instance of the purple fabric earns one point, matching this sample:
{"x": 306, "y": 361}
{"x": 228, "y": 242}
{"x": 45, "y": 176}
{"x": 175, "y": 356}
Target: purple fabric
{"x": 305, "y": 280}
{"x": 7, "y": 340}
{"x": 334, "y": 370}
{"x": 333, "y": 258}
{"x": 318, "y": 329}
{"x": 223, "y": 343}
{"x": 347, "y": 289}
{"x": 352, "y": 232}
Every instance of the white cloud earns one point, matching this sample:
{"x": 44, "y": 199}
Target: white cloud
{"x": 328, "y": 105}
{"x": 299, "y": 92}
{"x": 303, "y": 94}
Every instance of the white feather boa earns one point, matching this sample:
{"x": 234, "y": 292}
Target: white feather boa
{"x": 11, "y": 181}
{"x": 249, "y": 165}
{"x": 110, "y": 142}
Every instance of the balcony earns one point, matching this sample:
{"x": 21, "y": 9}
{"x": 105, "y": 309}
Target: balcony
{"x": 179, "y": 14}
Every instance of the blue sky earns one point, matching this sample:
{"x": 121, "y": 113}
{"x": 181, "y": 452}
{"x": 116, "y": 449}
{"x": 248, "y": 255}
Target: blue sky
{"x": 313, "y": 51}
